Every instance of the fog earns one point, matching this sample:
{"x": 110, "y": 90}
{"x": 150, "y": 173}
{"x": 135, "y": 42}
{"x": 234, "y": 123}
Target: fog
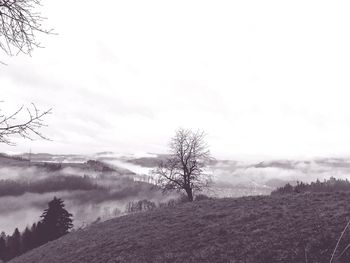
{"x": 130, "y": 166}
{"x": 276, "y": 173}
{"x": 99, "y": 195}
{"x": 92, "y": 193}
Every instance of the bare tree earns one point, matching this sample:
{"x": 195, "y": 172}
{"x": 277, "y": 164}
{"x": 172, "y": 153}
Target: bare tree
{"x": 19, "y": 23}
{"x": 184, "y": 169}
{"x": 28, "y": 129}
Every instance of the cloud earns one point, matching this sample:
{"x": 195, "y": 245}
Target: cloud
{"x": 126, "y": 74}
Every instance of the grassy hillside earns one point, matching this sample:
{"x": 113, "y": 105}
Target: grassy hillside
{"x": 250, "y": 229}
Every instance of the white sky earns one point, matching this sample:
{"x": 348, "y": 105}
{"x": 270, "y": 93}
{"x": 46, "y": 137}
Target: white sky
{"x": 260, "y": 77}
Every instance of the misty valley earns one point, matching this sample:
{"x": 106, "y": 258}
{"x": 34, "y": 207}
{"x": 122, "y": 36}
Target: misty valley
{"x": 101, "y": 186}
{"x": 174, "y": 131}
{"x": 92, "y": 190}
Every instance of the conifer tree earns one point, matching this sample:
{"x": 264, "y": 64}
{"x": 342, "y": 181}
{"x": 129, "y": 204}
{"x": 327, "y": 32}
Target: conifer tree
{"x": 16, "y": 245}
{"x": 56, "y": 220}
{"x": 35, "y": 236}
{"x": 27, "y": 240}
{"x": 2, "y": 247}
{"x": 41, "y": 236}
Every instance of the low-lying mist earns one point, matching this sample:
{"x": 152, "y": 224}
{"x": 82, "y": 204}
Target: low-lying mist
{"x": 234, "y": 178}
{"x": 94, "y": 190}
{"x": 89, "y": 195}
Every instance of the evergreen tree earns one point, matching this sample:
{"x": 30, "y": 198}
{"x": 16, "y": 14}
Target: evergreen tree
{"x": 16, "y": 242}
{"x": 56, "y": 221}
{"x": 13, "y": 244}
{"x": 27, "y": 240}
{"x": 41, "y": 236}
{"x": 35, "y": 236}
{"x": 2, "y": 247}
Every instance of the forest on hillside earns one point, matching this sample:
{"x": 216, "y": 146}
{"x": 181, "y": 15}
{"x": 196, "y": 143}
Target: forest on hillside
{"x": 328, "y": 185}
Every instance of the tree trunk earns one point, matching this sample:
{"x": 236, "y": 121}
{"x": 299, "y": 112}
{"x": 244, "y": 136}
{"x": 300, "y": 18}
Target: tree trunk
{"x": 189, "y": 194}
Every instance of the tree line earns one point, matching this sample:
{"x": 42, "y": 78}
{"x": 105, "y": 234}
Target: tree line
{"x": 330, "y": 185}
{"x": 55, "y": 222}
{"x": 50, "y": 184}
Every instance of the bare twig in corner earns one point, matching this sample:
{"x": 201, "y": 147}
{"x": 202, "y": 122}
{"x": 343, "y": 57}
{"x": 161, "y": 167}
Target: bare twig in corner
{"x": 342, "y": 253}
{"x": 341, "y": 236}
{"x": 19, "y": 23}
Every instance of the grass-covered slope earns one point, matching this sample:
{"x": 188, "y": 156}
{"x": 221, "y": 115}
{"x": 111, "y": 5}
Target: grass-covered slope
{"x": 267, "y": 229}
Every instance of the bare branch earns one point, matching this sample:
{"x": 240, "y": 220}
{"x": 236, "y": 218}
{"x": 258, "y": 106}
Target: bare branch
{"x": 19, "y": 24}
{"x": 28, "y": 129}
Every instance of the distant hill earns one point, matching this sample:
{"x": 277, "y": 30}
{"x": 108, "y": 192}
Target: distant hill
{"x": 9, "y": 160}
{"x": 148, "y": 161}
{"x": 260, "y": 229}
{"x": 51, "y": 163}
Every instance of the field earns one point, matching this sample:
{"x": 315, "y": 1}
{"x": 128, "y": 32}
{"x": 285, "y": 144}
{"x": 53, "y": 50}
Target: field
{"x": 259, "y": 229}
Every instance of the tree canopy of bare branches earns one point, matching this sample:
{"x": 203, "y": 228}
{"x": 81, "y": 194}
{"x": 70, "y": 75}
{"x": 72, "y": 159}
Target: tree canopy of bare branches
{"x": 184, "y": 170}
{"x": 28, "y": 129}
{"x": 19, "y": 24}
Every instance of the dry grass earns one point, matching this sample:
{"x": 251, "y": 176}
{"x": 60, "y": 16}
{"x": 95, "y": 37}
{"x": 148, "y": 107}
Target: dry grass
{"x": 261, "y": 229}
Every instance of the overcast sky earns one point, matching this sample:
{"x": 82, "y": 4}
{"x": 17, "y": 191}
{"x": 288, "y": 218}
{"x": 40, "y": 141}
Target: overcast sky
{"x": 261, "y": 78}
